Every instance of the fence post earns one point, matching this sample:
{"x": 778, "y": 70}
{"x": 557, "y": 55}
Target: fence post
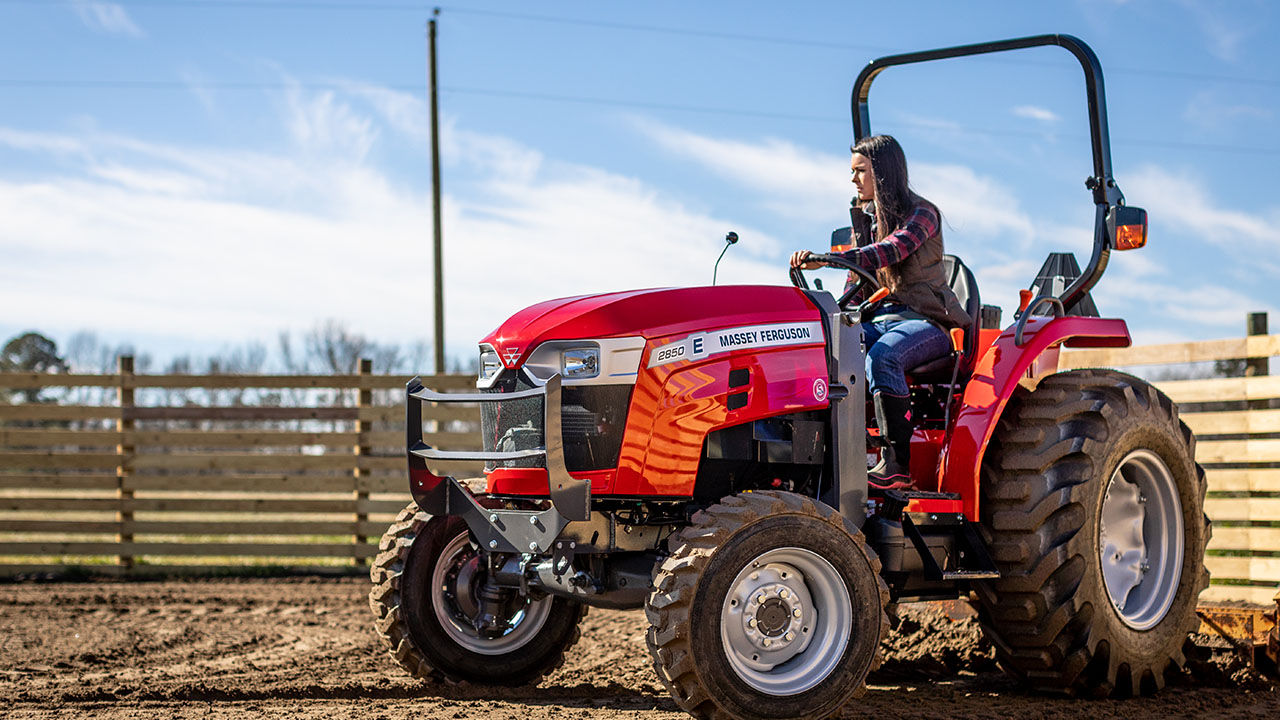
{"x": 364, "y": 399}
{"x": 124, "y": 451}
{"x": 1255, "y": 366}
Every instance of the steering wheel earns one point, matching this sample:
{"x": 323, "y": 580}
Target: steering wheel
{"x": 864, "y": 279}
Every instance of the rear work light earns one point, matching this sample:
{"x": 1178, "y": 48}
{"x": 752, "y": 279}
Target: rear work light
{"x": 1128, "y": 227}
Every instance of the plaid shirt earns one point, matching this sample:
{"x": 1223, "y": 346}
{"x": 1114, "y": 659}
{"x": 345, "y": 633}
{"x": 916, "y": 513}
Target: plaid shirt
{"x": 920, "y": 225}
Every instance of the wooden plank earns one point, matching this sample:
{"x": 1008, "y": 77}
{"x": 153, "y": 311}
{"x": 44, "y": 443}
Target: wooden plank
{"x": 58, "y": 412}
{"x": 1237, "y": 451}
{"x": 32, "y": 380}
{"x": 442, "y": 383}
{"x": 338, "y": 382}
{"x": 1260, "y": 480}
{"x": 1239, "y": 593}
{"x": 204, "y": 569}
{"x": 386, "y": 484}
{"x": 1245, "y": 538}
{"x": 1257, "y": 569}
{"x": 59, "y": 482}
{"x": 273, "y": 462}
{"x": 244, "y": 483}
{"x": 47, "y": 438}
{"x": 1174, "y": 353}
{"x": 1222, "y": 389}
{"x": 24, "y": 381}
{"x": 71, "y": 528}
{"x": 1243, "y": 509}
{"x": 15, "y": 569}
{"x": 135, "y": 549}
{"x": 392, "y": 413}
{"x": 397, "y": 482}
{"x": 442, "y": 413}
{"x": 239, "y": 438}
{"x": 240, "y": 413}
{"x": 1233, "y": 423}
{"x": 49, "y": 460}
{"x": 66, "y": 528}
{"x": 243, "y": 413}
{"x": 197, "y": 505}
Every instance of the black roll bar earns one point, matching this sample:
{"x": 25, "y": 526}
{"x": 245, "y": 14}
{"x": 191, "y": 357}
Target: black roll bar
{"x": 1106, "y": 195}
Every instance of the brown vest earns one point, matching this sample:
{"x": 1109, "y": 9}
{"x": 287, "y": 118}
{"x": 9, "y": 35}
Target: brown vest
{"x": 922, "y": 281}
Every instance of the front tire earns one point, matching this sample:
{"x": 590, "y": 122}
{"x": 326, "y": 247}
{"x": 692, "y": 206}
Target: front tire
{"x": 1094, "y": 504}
{"x": 770, "y": 606}
{"x": 423, "y": 601}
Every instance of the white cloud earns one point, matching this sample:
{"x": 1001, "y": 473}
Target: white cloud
{"x": 1032, "y": 112}
{"x": 106, "y": 17}
{"x": 1209, "y": 110}
{"x": 140, "y": 239}
{"x": 1224, "y": 37}
{"x": 795, "y": 182}
{"x": 1186, "y": 203}
{"x": 983, "y": 220}
{"x": 321, "y": 122}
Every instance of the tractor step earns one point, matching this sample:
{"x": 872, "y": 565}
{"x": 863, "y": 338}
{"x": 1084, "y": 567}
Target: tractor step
{"x": 970, "y": 575}
{"x": 971, "y": 560}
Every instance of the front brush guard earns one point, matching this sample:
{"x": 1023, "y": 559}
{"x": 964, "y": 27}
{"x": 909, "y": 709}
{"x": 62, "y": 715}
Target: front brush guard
{"x": 519, "y": 531}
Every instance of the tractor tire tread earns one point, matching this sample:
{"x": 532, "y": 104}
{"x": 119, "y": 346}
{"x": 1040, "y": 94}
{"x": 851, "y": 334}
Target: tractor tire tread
{"x": 668, "y": 608}
{"x": 384, "y": 600}
{"x": 1045, "y": 447}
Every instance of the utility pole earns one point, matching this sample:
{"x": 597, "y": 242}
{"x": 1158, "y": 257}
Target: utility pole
{"x": 435, "y": 196}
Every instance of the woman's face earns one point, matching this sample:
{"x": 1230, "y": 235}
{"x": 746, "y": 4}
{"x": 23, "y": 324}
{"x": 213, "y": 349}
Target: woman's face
{"x": 864, "y": 178}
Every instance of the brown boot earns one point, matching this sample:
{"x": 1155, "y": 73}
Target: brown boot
{"x": 893, "y": 417}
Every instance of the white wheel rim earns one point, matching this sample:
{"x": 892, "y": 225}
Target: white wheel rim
{"x": 1140, "y": 539}
{"x": 786, "y": 621}
{"x": 448, "y": 594}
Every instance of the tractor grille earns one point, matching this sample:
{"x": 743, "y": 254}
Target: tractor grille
{"x": 592, "y": 418}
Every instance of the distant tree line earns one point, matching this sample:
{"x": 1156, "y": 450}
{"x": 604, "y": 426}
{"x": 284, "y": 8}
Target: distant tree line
{"x": 329, "y": 347}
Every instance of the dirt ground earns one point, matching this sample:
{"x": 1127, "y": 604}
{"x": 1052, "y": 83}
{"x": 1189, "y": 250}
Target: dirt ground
{"x": 290, "y": 648}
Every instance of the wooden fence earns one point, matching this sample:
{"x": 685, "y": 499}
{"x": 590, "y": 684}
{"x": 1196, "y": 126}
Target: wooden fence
{"x": 1237, "y": 425}
{"x": 163, "y": 473}
{"x": 138, "y": 474}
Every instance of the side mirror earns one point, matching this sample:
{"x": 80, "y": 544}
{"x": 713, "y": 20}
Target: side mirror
{"x": 1127, "y": 227}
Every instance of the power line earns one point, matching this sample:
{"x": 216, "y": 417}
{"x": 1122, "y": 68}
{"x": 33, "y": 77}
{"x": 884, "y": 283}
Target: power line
{"x": 634, "y": 27}
{"x": 171, "y": 85}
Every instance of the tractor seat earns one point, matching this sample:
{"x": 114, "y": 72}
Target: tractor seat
{"x": 938, "y": 370}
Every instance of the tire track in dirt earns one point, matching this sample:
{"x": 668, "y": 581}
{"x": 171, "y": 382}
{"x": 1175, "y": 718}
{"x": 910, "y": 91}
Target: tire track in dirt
{"x": 305, "y": 648}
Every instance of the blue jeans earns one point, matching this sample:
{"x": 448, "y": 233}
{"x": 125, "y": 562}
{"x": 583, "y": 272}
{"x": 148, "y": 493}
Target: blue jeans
{"x": 896, "y": 346}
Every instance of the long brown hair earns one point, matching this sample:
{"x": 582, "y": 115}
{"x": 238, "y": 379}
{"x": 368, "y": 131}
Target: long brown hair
{"x": 894, "y": 196}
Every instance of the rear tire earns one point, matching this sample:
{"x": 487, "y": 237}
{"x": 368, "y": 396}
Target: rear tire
{"x": 1094, "y": 506}
{"x": 423, "y": 594}
{"x": 770, "y": 606}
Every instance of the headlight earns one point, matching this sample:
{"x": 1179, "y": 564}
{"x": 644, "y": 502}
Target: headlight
{"x": 490, "y": 365}
{"x": 580, "y": 362}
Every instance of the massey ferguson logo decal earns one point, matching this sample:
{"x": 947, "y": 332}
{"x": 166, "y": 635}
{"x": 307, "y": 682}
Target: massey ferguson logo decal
{"x": 510, "y": 355}
{"x": 700, "y": 345}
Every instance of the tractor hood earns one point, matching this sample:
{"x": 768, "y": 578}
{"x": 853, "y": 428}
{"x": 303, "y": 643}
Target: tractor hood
{"x": 649, "y": 314}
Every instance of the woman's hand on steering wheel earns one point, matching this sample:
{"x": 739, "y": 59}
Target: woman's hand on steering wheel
{"x": 800, "y": 259}
{"x": 806, "y": 260}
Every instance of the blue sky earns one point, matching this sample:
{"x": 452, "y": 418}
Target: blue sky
{"x": 188, "y": 175}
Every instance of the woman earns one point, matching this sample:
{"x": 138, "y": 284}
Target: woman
{"x": 897, "y": 235}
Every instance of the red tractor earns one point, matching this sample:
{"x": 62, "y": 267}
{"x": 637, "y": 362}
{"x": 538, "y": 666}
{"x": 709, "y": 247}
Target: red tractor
{"x": 702, "y": 453}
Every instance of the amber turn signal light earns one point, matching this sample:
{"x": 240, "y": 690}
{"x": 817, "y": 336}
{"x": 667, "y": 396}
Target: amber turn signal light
{"x": 1131, "y": 237}
{"x": 1129, "y": 227}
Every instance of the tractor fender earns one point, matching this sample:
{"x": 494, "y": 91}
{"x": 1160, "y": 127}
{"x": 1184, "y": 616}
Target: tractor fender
{"x": 997, "y": 375}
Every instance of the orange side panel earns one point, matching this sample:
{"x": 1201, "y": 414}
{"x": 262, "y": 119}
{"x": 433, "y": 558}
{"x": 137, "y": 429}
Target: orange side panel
{"x": 675, "y": 406}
